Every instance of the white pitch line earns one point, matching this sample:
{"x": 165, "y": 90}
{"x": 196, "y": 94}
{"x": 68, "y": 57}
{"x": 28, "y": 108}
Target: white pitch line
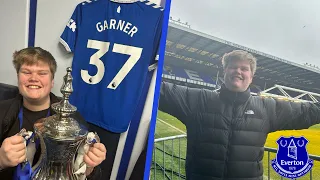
{"x": 171, "y": 126}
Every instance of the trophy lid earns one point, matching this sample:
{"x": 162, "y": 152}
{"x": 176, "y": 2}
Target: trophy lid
{"x": 64, "y": 107}
{"x": 62, "y": 126}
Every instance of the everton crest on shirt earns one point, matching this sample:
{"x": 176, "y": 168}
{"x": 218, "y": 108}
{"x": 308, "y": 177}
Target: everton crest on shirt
{"x": 113, "y": 45}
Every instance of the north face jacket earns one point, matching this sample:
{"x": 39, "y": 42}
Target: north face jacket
{"x": 226, "y": 131}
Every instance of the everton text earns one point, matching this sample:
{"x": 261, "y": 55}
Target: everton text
{"x": 283, "y": 163}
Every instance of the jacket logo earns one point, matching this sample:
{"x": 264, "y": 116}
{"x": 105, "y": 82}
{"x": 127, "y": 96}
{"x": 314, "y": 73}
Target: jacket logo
{"x": 249, "y": 112}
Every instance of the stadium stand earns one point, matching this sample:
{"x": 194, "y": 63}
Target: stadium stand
{"x": 194, "y": 59}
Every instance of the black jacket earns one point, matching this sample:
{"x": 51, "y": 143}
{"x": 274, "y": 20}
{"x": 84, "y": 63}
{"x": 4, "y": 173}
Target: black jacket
{"x": 226, "y": 131}
{"x": 9, "y": 110}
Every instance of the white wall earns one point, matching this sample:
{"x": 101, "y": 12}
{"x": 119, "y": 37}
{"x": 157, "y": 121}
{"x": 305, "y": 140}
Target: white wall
{"x": 14, "y": 20}
{"x": 52, "y": 17}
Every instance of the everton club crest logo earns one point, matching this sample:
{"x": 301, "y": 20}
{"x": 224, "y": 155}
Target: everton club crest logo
{"x": 292, "y": 160}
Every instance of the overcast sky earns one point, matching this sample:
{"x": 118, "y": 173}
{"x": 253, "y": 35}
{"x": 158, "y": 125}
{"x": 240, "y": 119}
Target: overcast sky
{"x": 289, "y": 29}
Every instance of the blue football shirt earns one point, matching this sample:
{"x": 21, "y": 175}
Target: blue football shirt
{"x": 113, "y": 45}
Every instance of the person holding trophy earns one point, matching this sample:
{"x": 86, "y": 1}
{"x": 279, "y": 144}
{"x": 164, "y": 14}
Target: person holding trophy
{"x": 35, "y": 69}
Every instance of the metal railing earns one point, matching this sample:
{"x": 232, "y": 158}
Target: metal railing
{"x": 169, "y": 155}
{"x": 170, "y": 163}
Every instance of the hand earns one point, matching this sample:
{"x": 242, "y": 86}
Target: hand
{"x": 12, "y": 151}
{"x": 94, "y": 157}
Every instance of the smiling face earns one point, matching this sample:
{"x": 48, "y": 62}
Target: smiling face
{"x": 238, "y": 75}
{"x": 35, "y": 82}
{"x": 35, "y": 69}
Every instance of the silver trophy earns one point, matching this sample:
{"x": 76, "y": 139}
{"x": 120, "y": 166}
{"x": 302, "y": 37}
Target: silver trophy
{"x": 60, "y": 138}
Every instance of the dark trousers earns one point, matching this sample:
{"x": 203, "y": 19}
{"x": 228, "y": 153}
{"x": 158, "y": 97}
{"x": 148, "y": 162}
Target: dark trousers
{"x": 110, "y": 140}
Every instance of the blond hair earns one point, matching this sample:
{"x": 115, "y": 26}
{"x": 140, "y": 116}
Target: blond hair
{"x": 33, "y": 55}
{"x": 240, "y": 55}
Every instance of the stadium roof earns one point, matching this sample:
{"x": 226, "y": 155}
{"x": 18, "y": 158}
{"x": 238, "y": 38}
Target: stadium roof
{"x": 189, "y": 45}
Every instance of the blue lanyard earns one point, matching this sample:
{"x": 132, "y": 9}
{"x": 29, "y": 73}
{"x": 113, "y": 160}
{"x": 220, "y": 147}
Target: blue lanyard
{"x": 25, "y": 173}
{"x": 20, "y": 117}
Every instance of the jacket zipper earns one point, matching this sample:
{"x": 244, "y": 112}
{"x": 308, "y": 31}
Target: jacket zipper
{"x": 230, "y": 131}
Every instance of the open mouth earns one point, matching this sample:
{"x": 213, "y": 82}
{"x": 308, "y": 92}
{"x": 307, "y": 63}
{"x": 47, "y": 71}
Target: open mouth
{"x": 33, "y": 87}
{"x": 236, "y": 78}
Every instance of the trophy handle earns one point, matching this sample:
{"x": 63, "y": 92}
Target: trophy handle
{"x": 78, "y": 164}
{"x": 74, "y": 158}
{"x": 43, "y": 153}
